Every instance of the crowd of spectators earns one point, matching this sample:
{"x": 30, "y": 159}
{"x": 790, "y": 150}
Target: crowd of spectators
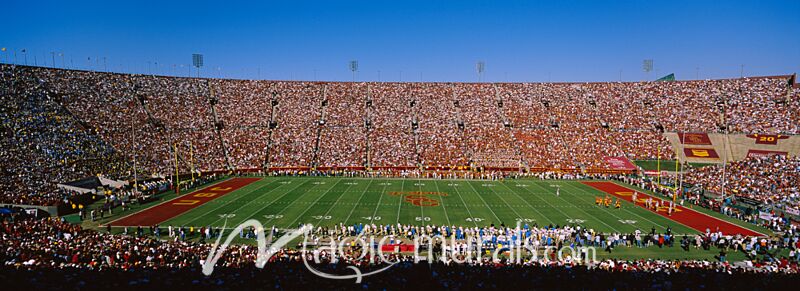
{"x": 44, "y": 144}
{"x": 50, "y": 252}
{"x": 772, "y": 179}
{"x": 217, "y": 124}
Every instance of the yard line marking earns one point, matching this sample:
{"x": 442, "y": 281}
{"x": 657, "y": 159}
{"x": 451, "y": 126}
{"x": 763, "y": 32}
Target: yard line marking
{"x": 184, "y": 203}
{"x": 315, "y": 201}
{"x": 359, "y": 200}
{"x": 344, "y": 193}
{"x": 377, "y": 205}
{"x": 504, "y": 201}
{"x": 270, "y": 191}
{"x": 624, "y": 209}
{"x": 268, "y": 204}
{"x": 526, "y": 202}
{"x": 157, "y": 204}
{"x": 294, "y": 201}
{"x": 436, "y": 183}
{"x": 484, "y": 202}
{"x": 594, "y": 217}
{"x": 235, "y": 200}
{"x": 402, "y": 186}
{"x": 465, "y": 203}
{"x": 535, "y": 194}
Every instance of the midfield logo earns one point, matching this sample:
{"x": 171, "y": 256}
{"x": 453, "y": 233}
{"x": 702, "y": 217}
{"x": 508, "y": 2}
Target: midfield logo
{"x": 420, "y": 198}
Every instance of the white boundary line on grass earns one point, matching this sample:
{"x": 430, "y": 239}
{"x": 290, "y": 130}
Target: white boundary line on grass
{"x": 214, "y": 184}
{"x": 587, "y": 213}
{"x": 289, "y": 204}
{"x": 229, "y": 202}
{"x": 400, "y": 204}
{"x": 535, "y": 194}
{"x": 378, "y": 205}
{"x": 315, "y": 202}
{"x": 359, "y": 200}
{"x": 270, "y": 203}
{"x": 504, "y": 201}
{"x": 624, "y": 209}
{"x": 651, "y": 195}
{"x": 344, "y": 193}
{"x": 526, "y": 201}
{"x": 436, "y": 183}
{"x": 484, "y": 202}
{"x": 465, "y": 204}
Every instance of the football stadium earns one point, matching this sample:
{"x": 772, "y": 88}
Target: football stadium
{"x": 179, "y": 175}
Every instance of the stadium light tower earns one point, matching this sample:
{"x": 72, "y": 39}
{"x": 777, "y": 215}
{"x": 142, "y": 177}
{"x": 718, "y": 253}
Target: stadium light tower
{"x": 480, "y": 66}
{"x": 354, "y": 68}
{"x": 647, "y": 66}
{"x": 197, "y": 62}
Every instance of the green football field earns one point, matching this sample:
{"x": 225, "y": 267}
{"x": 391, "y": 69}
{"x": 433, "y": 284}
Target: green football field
{"x": 286, "y": 202}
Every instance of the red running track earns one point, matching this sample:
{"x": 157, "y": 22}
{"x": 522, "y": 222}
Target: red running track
{"x": 682, "y": 215}
{"x": 177, "y": 206}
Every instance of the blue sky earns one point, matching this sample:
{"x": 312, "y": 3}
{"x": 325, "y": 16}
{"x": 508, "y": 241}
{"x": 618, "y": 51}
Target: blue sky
{"x": 411, "y": 40}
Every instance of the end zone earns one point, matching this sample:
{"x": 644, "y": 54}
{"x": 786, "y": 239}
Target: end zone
{"x": 181, "y": 204}
{"x": 686, "y": 216}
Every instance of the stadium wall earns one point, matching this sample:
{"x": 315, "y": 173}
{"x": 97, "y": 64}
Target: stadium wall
{"x": 717, "y": 147}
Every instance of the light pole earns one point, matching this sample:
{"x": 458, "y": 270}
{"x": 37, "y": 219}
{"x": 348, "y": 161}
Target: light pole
{"x": 197, "y": 62}
{"x": 480, "y": 66}
{"x": 647, "y": 66}
{"x": 354, "y": 68}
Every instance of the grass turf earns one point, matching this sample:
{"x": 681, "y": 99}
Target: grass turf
{"x": 666, "y": 165}
{"x": 286, "y": 202}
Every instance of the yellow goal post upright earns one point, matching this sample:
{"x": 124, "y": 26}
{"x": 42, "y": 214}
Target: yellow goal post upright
{"x": 177, "y": 177}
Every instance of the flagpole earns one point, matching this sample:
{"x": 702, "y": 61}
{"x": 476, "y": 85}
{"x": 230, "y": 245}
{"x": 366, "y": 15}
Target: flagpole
{"x": 676, "y": 175}
{"x": 658, "y": 164}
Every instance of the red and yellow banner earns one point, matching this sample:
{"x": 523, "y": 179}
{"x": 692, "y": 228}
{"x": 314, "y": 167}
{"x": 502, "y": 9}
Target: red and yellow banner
{"x": 767, "y": 138}
{"x": 695, "y": 138}
{"x": 702, "y": 153}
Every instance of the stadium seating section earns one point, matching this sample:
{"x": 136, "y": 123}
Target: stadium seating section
{"x": 65, "y": 124}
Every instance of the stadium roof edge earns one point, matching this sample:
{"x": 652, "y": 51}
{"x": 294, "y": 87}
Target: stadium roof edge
{"x": 374, "y": 82}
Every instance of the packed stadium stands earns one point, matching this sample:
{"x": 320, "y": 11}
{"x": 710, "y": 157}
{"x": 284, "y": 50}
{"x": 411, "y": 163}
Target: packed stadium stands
{"x": 773, "y": 179}
{"x": 60, "y": 125}
{"x": 35, "y": 249}
{"x": 218, "y": 124}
